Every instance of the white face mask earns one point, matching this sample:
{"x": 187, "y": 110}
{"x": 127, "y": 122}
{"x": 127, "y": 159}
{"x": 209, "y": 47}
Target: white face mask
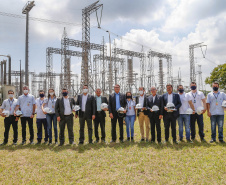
{"x": 51, "y": 94}
{"x": 141, "y": 92}
{"x": 85, "y": 90}
{"x": 10, "y": 95}
{"x": 25, "y": 91}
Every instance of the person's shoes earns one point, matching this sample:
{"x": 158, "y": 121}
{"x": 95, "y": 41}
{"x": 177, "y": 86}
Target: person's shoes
{"x": 38, "y": 143}
{"x": 132, "y": 140}
{"x": 3, "y": 144}
{"x": 14, "y": 143}
{"x": 97, "y": 141}
{"x": 112, "y": 141}
{"x": 221, "y": 141}
{"x": 203, "y": 140}
{"x": 141, "y": 140}
{"x": 45, "y": 142}
{"x": 147, "y": 140}
{"x": 128, "y": 138}
{"x": 56, "y": 143}
{"x": 61, "y": 144}
{"x": 121, "y": 141}
{"x": 193, "y": 138}
{"x": 32, "y": 142}
{"x": 166, "y": 142}
{"x": 23, "y": 143}
{"x": 90, "y": 142}
{"x": 189, "y": 141}
{"x": 212, "y": 141}
{"x": 181, "y": 140}
{"x": 159, "y": 142}
{"x": 175, "y": 142}
{"x": 152, "y": 141}
{"x": 103, "y": 141}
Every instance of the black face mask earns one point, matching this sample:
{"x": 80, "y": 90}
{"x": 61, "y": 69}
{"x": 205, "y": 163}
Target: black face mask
{"x": 41, "y": 95}
{"x": 64, "y": 93}
{"x": 215, "y": 88}
{"x": 181, "y": 90}
{"x": 127, "y": 97}
{"x": 193, "y": 87}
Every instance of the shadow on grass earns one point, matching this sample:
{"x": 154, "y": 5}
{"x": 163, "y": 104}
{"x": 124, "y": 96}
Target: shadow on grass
{"x": 116, "y": 146}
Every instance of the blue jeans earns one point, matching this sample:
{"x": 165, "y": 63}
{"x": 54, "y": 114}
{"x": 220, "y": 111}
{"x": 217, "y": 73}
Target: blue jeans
{"x": 52, "y": 118}
{"x": 130, "y": 125}
{"x": 184, "y": 119}
{"x": 217, "y": 119}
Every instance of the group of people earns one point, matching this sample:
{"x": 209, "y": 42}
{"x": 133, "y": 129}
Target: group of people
{"x": 150, "y": 110}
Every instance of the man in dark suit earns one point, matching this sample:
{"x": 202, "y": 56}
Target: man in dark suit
{"x": 170, "y": 118}
{"x": 116, "y": 100}
{"x": 100, "y": 115}
{"x": 155, "y": 116}
{"x": 63, "y": 110}
{"x": 86, "y": 113}
{"x": 142, "y": 114}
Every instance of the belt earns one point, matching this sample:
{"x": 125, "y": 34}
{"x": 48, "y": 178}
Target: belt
{"x": 68, "y": 115}
{"x": 99, "y": 111}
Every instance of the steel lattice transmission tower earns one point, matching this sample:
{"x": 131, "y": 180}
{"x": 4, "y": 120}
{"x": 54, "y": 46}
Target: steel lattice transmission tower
{"x": 86, "y": 68}
{"x": 192, "y": 61}
{"x": 27, "y": 8}
{"x": 199, "y": 73}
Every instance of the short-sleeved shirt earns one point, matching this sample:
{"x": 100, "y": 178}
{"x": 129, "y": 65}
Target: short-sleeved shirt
{"x": 9, "y": 105}
{"x": 215, "y": 100}
{"x": 26, "y": 103}
{"x": 51, "y": 104}
{"x": 130, "y": 108}
{"x": 197, "y": 99}
{"x": 40, "y": 114}
{"x": 184, "y": 98}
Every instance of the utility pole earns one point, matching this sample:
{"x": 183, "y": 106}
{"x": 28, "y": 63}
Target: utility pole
{"x": 199, "y": 73}
{"x": 26, "y": 11}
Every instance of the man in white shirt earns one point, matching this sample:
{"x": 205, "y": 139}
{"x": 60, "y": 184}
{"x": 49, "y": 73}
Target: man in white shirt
{"x": 9, "y": 105}
{"x": 198, "y": 100}
{"x": 86, "y": 113}
{"x": 63, "y": 110}
{"x": 184, "y": 118}
{"x": 41, "y": 118}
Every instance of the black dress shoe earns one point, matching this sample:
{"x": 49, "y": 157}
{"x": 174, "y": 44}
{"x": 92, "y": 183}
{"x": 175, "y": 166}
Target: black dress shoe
{"x": 3, "y": 144}
{"x": 203, "y": 140}
{"x": 14, "y": 143}
{"x": 121, "y": 141}
{"x": 38, "y": 143}
{"x": 97, "y": 141}
{"x": 142, "y": 140}
{"x": 23, "y": 143}
{"x": 175, "y": 142}
{"x": 81, "y": 143}
{"x": 61, "y": 144}
{"x": 189, "y": 141}
{"x": 212, "y": 141}
{"x": 222, "y": 141}
{"x": 128, "y": 138}
{"x": 45, "y": 142}
{"x": 113, "y": 141}
{"x": 72, "y": 143}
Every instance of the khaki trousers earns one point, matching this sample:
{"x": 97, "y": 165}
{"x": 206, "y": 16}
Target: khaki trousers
{"x": 144, "y": 118}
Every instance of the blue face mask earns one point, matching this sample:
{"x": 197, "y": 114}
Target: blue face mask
{"x": 41, "y": 95}
{"x": 215, "y": 88}
{"x": 193, "y": 87}
{"x": 181, "y": 90}
{"x": 64, "y": 93}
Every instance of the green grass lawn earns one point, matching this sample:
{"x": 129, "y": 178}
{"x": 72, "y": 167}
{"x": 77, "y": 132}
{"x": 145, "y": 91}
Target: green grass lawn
{"x": 127, "y": 163}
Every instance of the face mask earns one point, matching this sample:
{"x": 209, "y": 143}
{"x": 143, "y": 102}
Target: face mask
{"x": 181, "y": 90}
{"x": 215, "y": 88}
{"x": 127, "y": 97}
{"x": 51, "y": 94}
{"x": 64, "y": 93}
{"x": 25, "y": 91}
{"x": 85, "y": 90}
{"x": 141, "y": 92}
{"x": 10, "y": 95}
{"x": 193, "y": 87}
{"x": 41, "y": 95}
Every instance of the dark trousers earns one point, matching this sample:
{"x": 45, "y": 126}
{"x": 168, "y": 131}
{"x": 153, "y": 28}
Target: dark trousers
{"x": 99, "y": 120}
{"x": 155, "y": 123}
{"x": 170, "y": 121}
{"x": 82, "y": 120}
{"x": 70, "y": 122}
{"x": 199, "y": 119}
{"x": 24, "y": 120}
{"x": 113, "y": 126}
{"x": 40, "y": 123}
{"x": 8, "y": 122}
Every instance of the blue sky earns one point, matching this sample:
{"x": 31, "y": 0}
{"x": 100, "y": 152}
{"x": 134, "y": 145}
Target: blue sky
{"x": 168, "y": 26}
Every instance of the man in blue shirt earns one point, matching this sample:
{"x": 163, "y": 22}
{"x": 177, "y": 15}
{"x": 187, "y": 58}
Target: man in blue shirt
{"x": 216, "y": 112}
{"x": 26, "y": 103}
{"x": 116, "y": 100}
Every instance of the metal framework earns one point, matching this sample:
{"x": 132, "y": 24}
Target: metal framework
{"x": 86, "y": 67}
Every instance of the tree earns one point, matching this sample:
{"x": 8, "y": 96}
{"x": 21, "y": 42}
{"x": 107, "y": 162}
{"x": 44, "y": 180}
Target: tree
{"x": 218, "y": 74}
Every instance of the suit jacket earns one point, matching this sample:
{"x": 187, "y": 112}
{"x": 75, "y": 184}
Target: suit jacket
{"x": 158, "y": 102}
{"x": 59, "y": 107}
{"x": 176, "y": 102}
{"x": 90, "y": 106}
{"x": 112, "y": 103}
{"x": 145, "y": 102}
{"x": 103, "y": 100}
